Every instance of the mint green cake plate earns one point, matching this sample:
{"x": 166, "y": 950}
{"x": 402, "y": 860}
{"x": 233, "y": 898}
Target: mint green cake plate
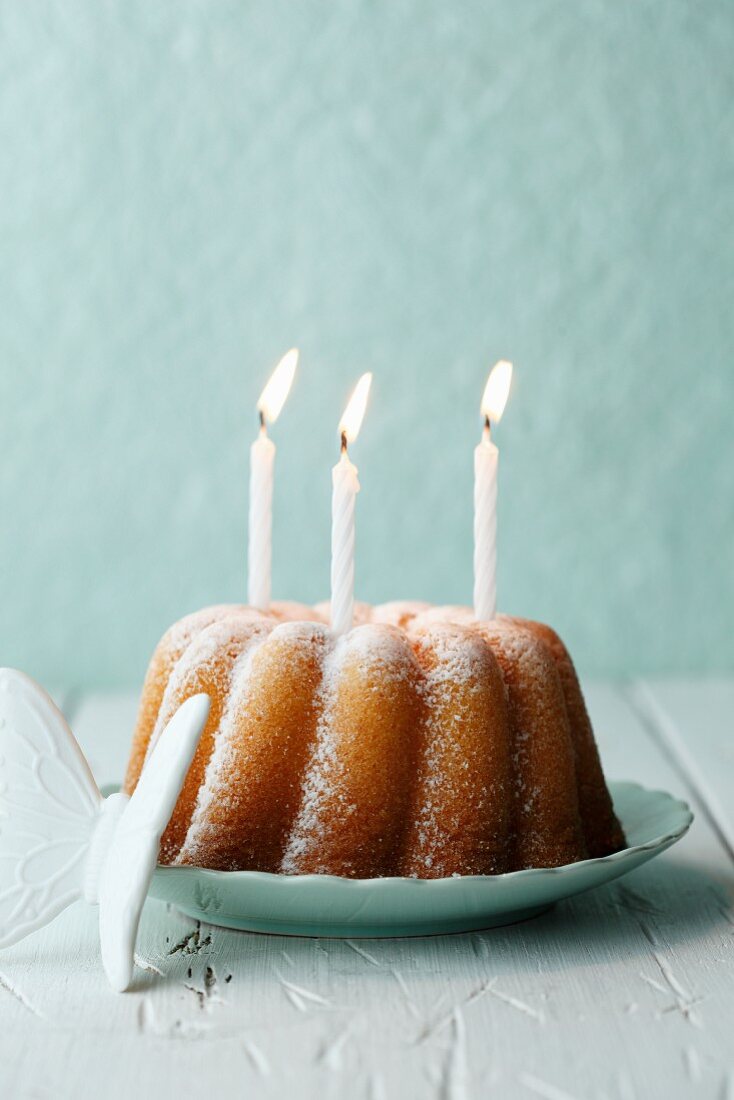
{"x": 324, "y": 905}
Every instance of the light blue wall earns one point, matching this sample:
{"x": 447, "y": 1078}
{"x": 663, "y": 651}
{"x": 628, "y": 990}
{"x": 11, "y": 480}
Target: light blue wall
{"x": 412, "y": 187}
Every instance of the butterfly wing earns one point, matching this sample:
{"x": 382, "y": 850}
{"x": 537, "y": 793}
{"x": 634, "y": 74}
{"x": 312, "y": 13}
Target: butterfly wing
{"x": 48, "y": 806}
{"x": 133, "y": 853}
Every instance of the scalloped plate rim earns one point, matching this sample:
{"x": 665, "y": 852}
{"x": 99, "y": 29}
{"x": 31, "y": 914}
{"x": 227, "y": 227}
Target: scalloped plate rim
{"x": 395, "y": 907}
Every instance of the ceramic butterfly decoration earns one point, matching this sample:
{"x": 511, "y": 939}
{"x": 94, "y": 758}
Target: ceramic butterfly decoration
{"x": 60, "y": 840}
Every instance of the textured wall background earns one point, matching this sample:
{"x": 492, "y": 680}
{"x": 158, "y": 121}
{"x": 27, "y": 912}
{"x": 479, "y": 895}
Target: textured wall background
{"x": 407, "y": 186}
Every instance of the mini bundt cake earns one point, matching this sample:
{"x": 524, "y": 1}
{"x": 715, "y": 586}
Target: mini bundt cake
{"x": 421, "y": 743}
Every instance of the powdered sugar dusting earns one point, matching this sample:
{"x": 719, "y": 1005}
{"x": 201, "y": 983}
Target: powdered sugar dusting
{"x": 450, "y": 657}
{"x": 521, "y": 647}
{"x": 378, "y": 644}
{"x": 300, "y": 631}
{"x": 201, "y": 654}
{"x": 305, "y": 833}
{"x": 178, "y": 636}
{"x": 447, "y": 613}
{"x": 450, "y": 653}
{"x": 211, "y": 788}
{"x": 440, "y": 652}
{"x": 376, "y": 647}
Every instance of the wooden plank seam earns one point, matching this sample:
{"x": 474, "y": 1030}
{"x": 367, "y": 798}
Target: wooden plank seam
{"x": 658, "y": 723}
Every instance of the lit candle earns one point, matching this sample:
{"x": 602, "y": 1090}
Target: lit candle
{"x": 486, "y": 457}
{"x": 344, "y": 495}
{"x": 262, "y": 461}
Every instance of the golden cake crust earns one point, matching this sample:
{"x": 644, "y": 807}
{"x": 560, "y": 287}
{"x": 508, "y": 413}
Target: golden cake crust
{"x": 421, "y": 743}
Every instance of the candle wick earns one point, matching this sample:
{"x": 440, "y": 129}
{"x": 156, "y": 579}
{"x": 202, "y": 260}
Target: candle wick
{"x": 344, "y": 443}
{"x": 263, "y": 425}
{"x": 487, "y": 428}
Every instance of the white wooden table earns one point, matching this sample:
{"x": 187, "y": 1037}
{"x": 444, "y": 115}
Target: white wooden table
{"x": 626, "y": 992}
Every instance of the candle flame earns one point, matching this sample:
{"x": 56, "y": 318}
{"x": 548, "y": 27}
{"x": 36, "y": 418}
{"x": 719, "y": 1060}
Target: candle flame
{"x": 276, "y": 390}
{"x": 497, "y": 391}
{"x": 351, "y": 421}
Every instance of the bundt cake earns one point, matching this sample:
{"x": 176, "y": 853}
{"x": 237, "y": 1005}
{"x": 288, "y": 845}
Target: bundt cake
{"x": 421, "y": 743}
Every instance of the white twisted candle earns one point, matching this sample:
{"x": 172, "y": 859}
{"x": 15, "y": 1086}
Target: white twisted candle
{"x": 259, "y": 552}
{"x": 486, "y": 457}
{"x": 344, "y": 495}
